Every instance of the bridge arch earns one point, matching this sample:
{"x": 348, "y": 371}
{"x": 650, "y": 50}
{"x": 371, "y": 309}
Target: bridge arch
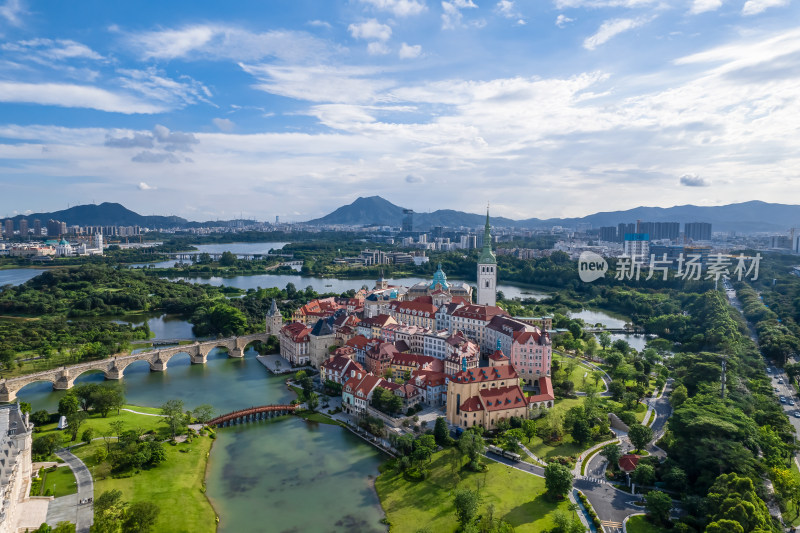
{"x": 10, "y": 391}
{"x": 85, "y": 375}
{"x": 139, "y": 364}
{"x": 174, "y": 357}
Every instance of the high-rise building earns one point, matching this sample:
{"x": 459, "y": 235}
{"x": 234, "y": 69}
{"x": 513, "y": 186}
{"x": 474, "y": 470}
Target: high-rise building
{"x": 9, "y": 228}
{"x": 698, "y": 231}
{"x": 37, "y": 227}
{"x": 56, "y": 228}
{"x": 623, "y": 228}
{"x": 487, "y": 269}
{"x": 608, "y": 234}
{"x": 637, "y": 245}
{"x": 23, "y": 228}
{"x": 408, "y": 220}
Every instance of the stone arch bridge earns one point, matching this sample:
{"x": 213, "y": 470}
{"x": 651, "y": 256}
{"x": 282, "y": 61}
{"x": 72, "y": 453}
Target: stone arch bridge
{"x": 114, "y": 367}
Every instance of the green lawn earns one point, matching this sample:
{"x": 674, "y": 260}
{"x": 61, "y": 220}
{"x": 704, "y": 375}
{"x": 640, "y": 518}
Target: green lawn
{"x": 518, "y": 497}
{"x": 60, "y": 481}
{"x": 640, "y": 524}
{"x": 175, "y": 486}
{"x": 102, "y": 425}
{"x": 581, "y": 376}
{"x": 790, "y": 507}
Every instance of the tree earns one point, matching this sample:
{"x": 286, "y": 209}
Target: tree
{"x": 74, "y": 422}
{"x": 597, "y": 376}
{"x": 466, "y": 502}
{"x": 302, "y": 378}
{"x": 644, "y": 475}
{"x": 105, "y": 398}
{"x": 612, "y": 452}
{"x": 616, "y": 389}
{"x": 203, "y": 413}
{"x": 174, "y": 417}
{"x": 640, "y": 435}
{"x": 440, "y": 432}
{"x": 46, "y": 444}
{"x": 512, "y": 438}
{"x": 40, "y": 418}
{"x": 227, "y": 259}
{"x": 140, "y": 517}
{"x": 529, "y": 428}
{"x": 658, "y": 505}
{"x": 678, "y": 396}
{"x": 68, "y": 404}
{"x": 557, "y": 480}
{"x": 108, "y": 510}
{"x": 88, "y": 435}
{"x": 733, "y": 498}
{"x": 84, "y": 393}
{"x": 581, "y": 432}
{"x": 312, "y": 401}
{"x": 605, "y": 340}
{"x": 614, "y": 359}
{"x": 472, "y": 446}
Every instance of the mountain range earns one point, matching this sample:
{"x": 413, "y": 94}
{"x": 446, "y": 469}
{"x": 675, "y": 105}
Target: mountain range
{"x": 745, "y": 217}
{"x": 105, "y": 214}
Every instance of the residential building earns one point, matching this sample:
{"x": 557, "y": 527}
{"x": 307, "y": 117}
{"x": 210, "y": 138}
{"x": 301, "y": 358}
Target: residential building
{"x": 357, "y": 391}
{"x": 371, "y": 327}
{"x": 414, "y": 313}
{"x": 472, "y": 320}
{"x": 432, "y": 386}
{"x": 531, "y": 355}
{"x": 338, "y": 369}
{"x": 637, "y": 246}
{"x": 294, "y": 342}
{"x": 379, "y": 358}
{"x": 697, "y": 231}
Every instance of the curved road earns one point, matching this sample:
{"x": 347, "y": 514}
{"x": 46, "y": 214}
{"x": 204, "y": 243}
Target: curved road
{"x": 85, "y": 512}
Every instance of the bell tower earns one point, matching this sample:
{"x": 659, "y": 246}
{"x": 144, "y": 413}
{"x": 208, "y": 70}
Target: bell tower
{"x": 274, "y": 319}
{"x": 487, "y": 269}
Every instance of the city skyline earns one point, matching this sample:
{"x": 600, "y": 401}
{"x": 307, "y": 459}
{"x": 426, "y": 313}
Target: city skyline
{"x": 220, "y": 111}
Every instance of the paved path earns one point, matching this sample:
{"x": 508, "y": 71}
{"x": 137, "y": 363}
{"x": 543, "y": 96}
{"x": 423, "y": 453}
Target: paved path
{"x": 140, "y": 413}
{"x": 85, "y": 512}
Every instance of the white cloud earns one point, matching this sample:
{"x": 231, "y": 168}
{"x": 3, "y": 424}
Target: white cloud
{"x": 59, "y": 49}
{"x": 145, "y": 187}
{"x": 507, "y": 9}
{"x": 227, "y": 42}
{"x": 377, "y": 48}
{"x": 562, "y": 4}
{"x": 69, "y": 95}
{"x": 399, "y": 8}
{"x": 319, "y": 24}
{"x": 155, "y": 157}
{"x": 693, "y": 180}
{"x": 408, "y": 51}
{"x": 320, "y": 83}
{"x": 413, "y": 178}
{"x": 451, "y": 13}
{"x": 11, "y": 11}
{"x": 370, "y": 30}
{"x": 562, "y": 20}
{"x": 754, "y": 7}
{"x": 155, "y": 86}
{"x": 610, "y": 29}
{"x": 701, "y": 6}
{"x": 138, "y": 140}
{"x": 224, "y": 124}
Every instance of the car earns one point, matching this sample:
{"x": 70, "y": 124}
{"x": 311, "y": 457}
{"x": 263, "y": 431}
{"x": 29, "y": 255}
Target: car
{"x": 780, "y": 382}
{"x": 797, "y": 414}
{"x": 775, "y": 389}
{"x": 791, "y": 402}
{"x": 769, "y": 370}
{"x": 783, "y": 400}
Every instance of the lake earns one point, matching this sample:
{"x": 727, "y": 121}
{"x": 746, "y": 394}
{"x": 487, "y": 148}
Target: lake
{"x": 288, "y": 473}
{"x": 18, "y": 276}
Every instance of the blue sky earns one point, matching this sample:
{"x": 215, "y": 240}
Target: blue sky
{"x": 545, "y": 108}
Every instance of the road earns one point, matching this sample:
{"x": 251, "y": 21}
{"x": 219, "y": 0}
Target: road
{"x": 85, "y": 512}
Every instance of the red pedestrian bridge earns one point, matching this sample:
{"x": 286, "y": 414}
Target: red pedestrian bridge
{"x": 252, "y": 414}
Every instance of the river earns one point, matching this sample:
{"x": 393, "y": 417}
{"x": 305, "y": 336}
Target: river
{"x": 290, "y": 474}
{"x": 18, "y": 276}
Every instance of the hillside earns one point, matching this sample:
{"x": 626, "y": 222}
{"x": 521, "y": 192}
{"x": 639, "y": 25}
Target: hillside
{"x": 105, "y": 214}
{"x": 746, "y": 217}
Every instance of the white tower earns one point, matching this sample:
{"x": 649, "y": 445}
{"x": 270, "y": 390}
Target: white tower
{"x": 98, "y": 242}
{"x": 487, "y": 269}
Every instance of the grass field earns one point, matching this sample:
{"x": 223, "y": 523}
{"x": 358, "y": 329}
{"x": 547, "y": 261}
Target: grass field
{"x": 640, "y": 524}
{"x": 790, "y": 507}
{"x": 175, "y": 486}
{"x": 518, "y": 497}
{"x": 60, "y": 481}
{"x": 102, "y": 425}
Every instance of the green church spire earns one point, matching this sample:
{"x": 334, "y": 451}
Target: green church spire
{"x": 487, "y": 256}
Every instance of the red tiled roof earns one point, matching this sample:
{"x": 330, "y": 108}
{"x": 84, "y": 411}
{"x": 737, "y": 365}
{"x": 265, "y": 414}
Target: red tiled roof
{"x": 486, "y": 373}
{"x": 503, "y": 398}
{"x": 431, "y": 378}
{"x": 368, "y": 384}
{"x": 629, "y": 461}
{"x": 340, "y": 364}
{"x": 472, "y": 404}
{"x": 545, "y": 391}
{"x": 479, "y": 312}
{"x": 498, "y": 356}
{"x": 359, "y": 341}
{"x": 415, "y": 307}
{"x": 296, "y": 331}
{"x": 537, "y": 337}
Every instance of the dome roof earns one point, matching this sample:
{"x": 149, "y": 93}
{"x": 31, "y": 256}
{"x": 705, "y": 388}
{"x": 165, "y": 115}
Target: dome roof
{"x": 63, "y": 242}
{"x": 439, "y": 278}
